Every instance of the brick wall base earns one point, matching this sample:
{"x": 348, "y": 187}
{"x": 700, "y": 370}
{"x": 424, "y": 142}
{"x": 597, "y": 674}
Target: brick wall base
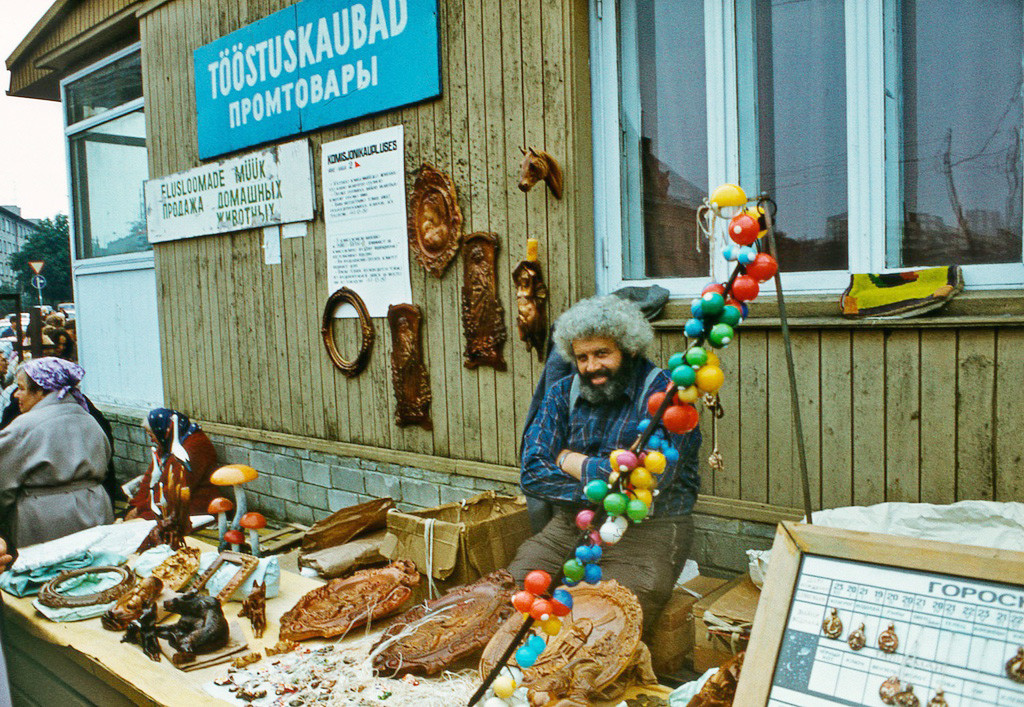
{"x": 304, "y": 486}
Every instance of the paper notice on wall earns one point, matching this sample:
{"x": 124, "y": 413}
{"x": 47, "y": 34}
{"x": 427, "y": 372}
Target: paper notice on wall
{"x": 364, "y": 214}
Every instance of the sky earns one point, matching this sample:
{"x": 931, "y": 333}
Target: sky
{"x": 33, "y": 174}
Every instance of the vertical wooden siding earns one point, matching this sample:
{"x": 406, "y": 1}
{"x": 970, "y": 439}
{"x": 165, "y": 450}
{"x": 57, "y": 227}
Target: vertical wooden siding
{"x": 930, "y": 415}
{"x": 241, "y": 342}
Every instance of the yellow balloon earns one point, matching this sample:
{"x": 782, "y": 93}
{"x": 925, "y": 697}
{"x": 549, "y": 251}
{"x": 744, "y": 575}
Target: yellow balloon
{"x": 552, "y": 626}
{"x": 504, "y": 686}
{"x": 689, "y": 395}
{"x": 655, "y": 462}
{"x": 641, "y": 478}
{"x": 645, "y": 496}
{"x": 728, "y": 195}
{"x": 710, "y": 378}
{"x": 713, "y": 359}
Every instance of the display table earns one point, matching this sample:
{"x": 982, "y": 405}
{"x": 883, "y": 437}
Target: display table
{"x": 81, "y": 663}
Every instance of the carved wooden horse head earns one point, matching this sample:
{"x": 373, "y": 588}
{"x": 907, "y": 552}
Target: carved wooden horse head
{"x": 538, "y": 165}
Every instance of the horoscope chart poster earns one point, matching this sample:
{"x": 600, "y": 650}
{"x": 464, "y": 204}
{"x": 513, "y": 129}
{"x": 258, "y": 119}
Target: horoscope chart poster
{"x": 364, "y": 216}
{"x": 864, "y": 634}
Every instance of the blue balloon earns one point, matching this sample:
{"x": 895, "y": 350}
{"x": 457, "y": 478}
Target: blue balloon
{"x": 746, "y": 255}
{"x": 525, "y": 657}
{"x": 595, "y": 553}
{"x": 693, "y": 328}
{"x": 671, "y": 454}
{"x": 583, "y": 554}
{"x": 562, "y": 597}
{"x": 697, "y": 309}
{"x": 730, "y": 252}
{"x": 643, "y": 424}
{"x": 592, "y": 573}
{"x": 535, "y": 643}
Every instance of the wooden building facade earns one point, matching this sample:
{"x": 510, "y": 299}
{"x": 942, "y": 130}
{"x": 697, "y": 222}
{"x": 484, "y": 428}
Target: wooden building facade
{"x": 923, "y": 409}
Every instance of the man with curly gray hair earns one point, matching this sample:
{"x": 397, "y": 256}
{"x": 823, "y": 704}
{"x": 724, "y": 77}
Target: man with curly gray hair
{"x": 582, "y": 419}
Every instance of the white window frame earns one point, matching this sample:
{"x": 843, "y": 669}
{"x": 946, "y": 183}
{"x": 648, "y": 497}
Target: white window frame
{"x": 868, "y": 112}
{"x": 102, "y": 263}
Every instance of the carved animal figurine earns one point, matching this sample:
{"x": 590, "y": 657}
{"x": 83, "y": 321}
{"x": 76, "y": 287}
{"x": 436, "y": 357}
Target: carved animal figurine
{"x": 201, "y": 629}
{"x": 143, "y": 633}
{"x": 342, "y": 604}
{"x": 720, "y": 689}
{"x": 254, "y": 608}
{"x": 175, "y": 525}
{"x": 531, "y": 306}
{"x": 447, "y": 629}
{"x": 538, "y": 165}
{"x": 132, "y": 603}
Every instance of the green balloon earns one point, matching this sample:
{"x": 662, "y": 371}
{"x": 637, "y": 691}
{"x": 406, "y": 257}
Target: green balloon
{"x": 730, "y": 315}
{"x": 711, "y": 304}
{"x": 720, "y": 335}
{"x": 596, "y": 490}
{"x": 684, "y": 376}
{"x": 696, "y": 356}
{"x": 573, "y": 570}
{"x": 676, "y": 360}
{"x": 615, "y": 503}
{"x": 637, "y": 509}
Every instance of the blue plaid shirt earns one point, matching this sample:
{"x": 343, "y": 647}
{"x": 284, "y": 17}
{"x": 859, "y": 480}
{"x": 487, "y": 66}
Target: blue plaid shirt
{"x": 597, "y": 430}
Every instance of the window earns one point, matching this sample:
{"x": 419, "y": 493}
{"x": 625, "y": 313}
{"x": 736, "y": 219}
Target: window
{"x": 887, "y": 131}
{"x": 106, "y": 133}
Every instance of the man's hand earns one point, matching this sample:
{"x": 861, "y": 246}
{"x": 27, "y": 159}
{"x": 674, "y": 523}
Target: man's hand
{"x": 572, "y": 463}
{"x": 5, "y": 559}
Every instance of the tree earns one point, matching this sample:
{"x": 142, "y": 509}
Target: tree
{"x": 51, "y": 244}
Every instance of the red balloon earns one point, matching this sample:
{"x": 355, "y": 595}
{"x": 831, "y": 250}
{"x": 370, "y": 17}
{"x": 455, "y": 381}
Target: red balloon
{"x": 745, "y": 288}
{"x": 763, "y": 267}
{"x": 680, "y": 419}
{"x": 523, "y": 601}
{"x": 541, "y": 609}
{"x": 537, "y": 582}
{"x": 743, "y": 228}
{"x": 714, "y": 287}
{"x": 559, "y": 609}
{"x": 654, "y": 402}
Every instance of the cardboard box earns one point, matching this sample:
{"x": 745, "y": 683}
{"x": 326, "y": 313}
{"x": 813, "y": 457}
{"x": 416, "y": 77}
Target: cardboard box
{"x": 672, "y": 643}
{"x": 721, "y": 623}
{"x": 468, "y": 539}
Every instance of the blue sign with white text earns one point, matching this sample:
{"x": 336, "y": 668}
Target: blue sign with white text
{"x": 316, "y": 63}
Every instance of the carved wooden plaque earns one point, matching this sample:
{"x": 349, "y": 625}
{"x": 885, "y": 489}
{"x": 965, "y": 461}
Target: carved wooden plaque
{"x": 343, "y": 604}
{"x": 483, "y": 317}
{"x": 531, "y": 306}
{"x": 435, "y": 222}
{"x": 408, "y": 373}
{"x": 457, "y": 625}
{"x": 596, "y": 655}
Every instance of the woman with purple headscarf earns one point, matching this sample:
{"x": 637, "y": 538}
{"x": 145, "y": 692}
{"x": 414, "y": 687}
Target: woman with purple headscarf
{"x": 53, "y": 457}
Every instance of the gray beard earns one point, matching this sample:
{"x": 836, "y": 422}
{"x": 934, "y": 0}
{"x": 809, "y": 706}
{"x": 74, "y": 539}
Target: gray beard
{"x": 611, "y": 392}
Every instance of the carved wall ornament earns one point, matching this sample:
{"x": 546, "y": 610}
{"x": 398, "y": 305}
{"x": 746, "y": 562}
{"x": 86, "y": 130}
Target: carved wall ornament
{"x": 344, "y": 295}
{"x": 177, "y": 570}
{"x": 131, "y": 604}
{"x": 409, "y": 374}
{"x": 343, "y": 604}
{"x": 538, "y": 165}
{"x": 596, "y": 655}
{"x": 457, "y": 625}
{"x": 483, "y": 317}
{"x": 531, "y": 306}
{"x": 435, "y": 221}
{"x": 254, "y": 608}
{"x": 50, "y": 594}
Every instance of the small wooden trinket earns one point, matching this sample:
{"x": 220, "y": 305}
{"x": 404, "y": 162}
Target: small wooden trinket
{"x": 246, "y": 660}
{"x": 409, "y": 374}
{"x": 832, "y": 625}
{"x": 889, "y": 689}
{"x": 254, "y": 608}
{"x": 888, "y": 641}
{"x": 857, "y": 639}
{"x": 483, "y": 317}
{"x": 177, "y": 570}
{"x": 906, "y": 698}
{"x": 281, "y": 647}
{"x": 939, "y": 700}
{"x": 1015, "y": 666}
{"x": 435, "y": 221}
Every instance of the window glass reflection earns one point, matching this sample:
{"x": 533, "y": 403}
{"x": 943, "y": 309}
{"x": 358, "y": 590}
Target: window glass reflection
{"x": 113, "y": 85}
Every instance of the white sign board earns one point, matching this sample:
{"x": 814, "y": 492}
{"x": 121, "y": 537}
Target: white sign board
{"x": 364, "y": 214}
{"x": 262, "y": 188}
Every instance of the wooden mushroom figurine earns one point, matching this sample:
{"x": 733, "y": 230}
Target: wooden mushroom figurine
{"x": 220, "y": 507}
{"x": 235, "y": 537}
{"x": 253, "y": 521}
{"x": 235, "y": 475}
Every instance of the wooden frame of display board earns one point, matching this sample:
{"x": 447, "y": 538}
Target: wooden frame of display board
{"x": 958, "y": 613}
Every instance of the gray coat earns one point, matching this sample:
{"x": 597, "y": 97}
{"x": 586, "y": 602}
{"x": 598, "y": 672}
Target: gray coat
{"x": 52, "y": 462}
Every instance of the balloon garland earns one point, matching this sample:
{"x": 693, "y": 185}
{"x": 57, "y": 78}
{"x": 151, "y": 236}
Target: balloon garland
{"x": 628, "y": 494}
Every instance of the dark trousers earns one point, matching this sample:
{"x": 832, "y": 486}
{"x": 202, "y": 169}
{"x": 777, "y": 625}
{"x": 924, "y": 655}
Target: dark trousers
{"x": 646, "y": 561}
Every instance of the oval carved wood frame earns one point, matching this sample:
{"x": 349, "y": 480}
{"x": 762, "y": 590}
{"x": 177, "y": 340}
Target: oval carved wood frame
{"x": 342, "y": 296}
